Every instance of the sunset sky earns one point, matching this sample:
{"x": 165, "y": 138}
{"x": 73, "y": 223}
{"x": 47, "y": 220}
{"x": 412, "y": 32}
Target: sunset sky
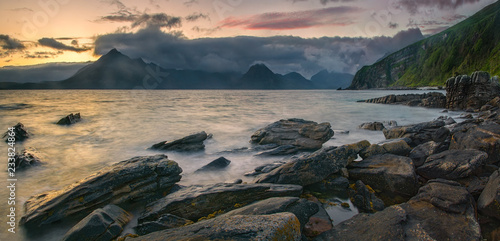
{"x": 199, "y": 33}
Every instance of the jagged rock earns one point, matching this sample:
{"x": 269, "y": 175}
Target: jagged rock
{"x": 483, "y": 136}
{"x": 306, "y": 135}
{"x": 386, "y": 173}
{"x": 452, "y": 164}
{"x": 447, "y": 120}
{"x": 398, "y": 147}
{"x": 317, "y": 226}
{"x": 280, "y": 151}
{"x": 102, "y": 224}
{"x": 70, "y": 119}
{"x": 134, "y": 180}
{"x": 464, "y": 92}
{"x": 166, "y": 221}
{"x": 420, "y": 133}
{"x": 217, "y": 164}
{"x": 372, "y": 126}
{"x": 364, "y": 198}
{"x": 431, "y": 100}
{"x": 420, "y": 153}
{"x": 264, "y": 169}
{"x": 20, "y": 133}
{"x": 279, "y": 226}
{"x": 197, "y": 201}
{"x": 192, "y": 142}
{"x": 27, "y": 158}
{"x": 489, "y": 200}
{"x": 315, "y": 167}
{"x": 333, "y": 183}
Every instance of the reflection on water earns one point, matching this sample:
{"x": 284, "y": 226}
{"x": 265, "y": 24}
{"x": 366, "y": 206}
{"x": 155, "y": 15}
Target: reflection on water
{"x": 120, "y": 124}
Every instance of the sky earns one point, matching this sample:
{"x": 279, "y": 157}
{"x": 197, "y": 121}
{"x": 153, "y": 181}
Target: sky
{"x": 222, "y": 35}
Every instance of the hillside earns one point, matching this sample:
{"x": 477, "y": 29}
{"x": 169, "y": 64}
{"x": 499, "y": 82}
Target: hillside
{"x": 471, "y": 45}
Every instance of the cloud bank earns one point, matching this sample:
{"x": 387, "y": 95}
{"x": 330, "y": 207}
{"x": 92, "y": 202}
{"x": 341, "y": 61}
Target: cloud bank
{"x": 52, "y": 43}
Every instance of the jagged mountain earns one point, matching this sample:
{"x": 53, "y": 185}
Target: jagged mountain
{"x": 471, "y": 45}
{"x": 259, "y": 76}
{"x": 331, "y": 80}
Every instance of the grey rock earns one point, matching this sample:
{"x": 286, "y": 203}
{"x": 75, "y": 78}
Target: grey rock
{"x": 452, "y": 164}
{"x": 103, "y": 224}
{"x": 264, "y": 169}
{"x": 483, "y": 136}
{"x": 27, "y": 158}
{"x": 489, "y": 200}
{"x": 192, "y": 142}
{"x": 166, "y": 221}
{"x": 472, "y": 92}
{"x": 334, "y": 183}
{"x": 398, "y": 147}
{"x": 431, "y": 100}
{"x": 420, "y": 153}
{"x": 20, "y": 133}
{"x": 420, "y": 133}
{"x": 365, "y": 199}
{"x": 139, "y": 179}
{"x": 217, "y": 164}
{"x": 372, "y": 126}
{"x": 70, "y": 119}
{"x": 280, "y": 151}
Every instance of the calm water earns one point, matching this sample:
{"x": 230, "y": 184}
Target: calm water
{"x": 121, "y": 124}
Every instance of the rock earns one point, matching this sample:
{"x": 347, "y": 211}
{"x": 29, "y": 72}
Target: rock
{"x": 102, "y": 224}
{"x": 431, "y": 100}
{"x": 317, "y": 226}
{"x": 333, "y": 183}
{"x": 475, "y": 185}
{"x": 280, "y": 151}
{"x": 301, "y": 208}
{"x": 218, "y": 164}
{"x": 192, "y": 142}
{"x": 387, "y": 173}
{"x": 27, "y": 158}
{"x": 20, "y": 133}
{"x": 306, "y": 135}
{"x": 489, "y": 200}
{"x": 70, "y": 119}
{"x": 315, "y": 167}
{"x": 464, "y": 92}
{"x": 452, "y": 164}
{"x": 420, "y": 153}
{"x": 447, "y": 120}
{"x": 197, "y": 201}
{"x": 264, "y": 169}
{"x": 398, "y": 147}
{"x": 279, "y": 226}
{"x": 134, "y": 180}
{"x": 480, "y": 136}
{"x": 364, "y": 198}
{"x": 420, "y": 133}
{"x": 372, "y": 126}
{"x": 166, "y": 221}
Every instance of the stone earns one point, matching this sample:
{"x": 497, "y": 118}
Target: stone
{"x": 386, "y": 173}
{"x": 483, "y": 136}
{"x": 364, "y": 198}
{"x": 431, "y": 100}
{"x": 452, "y": 164}
{"x": 27, "y": 158}
{"x": 218, "y": 164}
{"x": 266, "y": 168}
{"x": 372, "y": 126}
{"x": 333, "y": 183}
{"x": 305, "y": 135}
{"x": 102, "y": 224}
{"x": 464, "y": 92}
{"x": 279, "y": 226}
{"x": 166, "y": 221}
{"x": 488, "y": 203}
{"x": 317, "y": 226}
{"x": 139, "y": 179}
{"x": 20, "y": 133}
{"x": 420, "y": 153}
{"x": 197, "y": 201}
{"x": 420, "y": 133}
{"x": 397, "y": 147}
{"x": 447, "y": 120}
{"x": 315, "y": 167}
{"x": 70, "y": 119}
{"x": 189, "y": 143}
{"x": 280, "y": 151}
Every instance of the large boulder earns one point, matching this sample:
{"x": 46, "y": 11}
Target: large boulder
{"x": 127, "y": 182}
{"x": 217, "y": 164}
{"x": 489, "y": 200}
{"x": 483, "y": 136}
{"x": 70, "y": 119}
{"x": 27, "y": 158}
{"x": 197, "y": 201}
{"x": 464, "y": 92}
{"x": 386, "y": 173}
{"x": 372, "y": 126}
{"x": 315, "y": 167}
{"x": 453, "y": 164}
{"x": 420, "y": 133}
{"x": 192, "y": 142}
{"x": 279, "y": 226}
{"x": 102, "y": 224}
{"x": 420, "y": 153}
{"x": 305, "y": 135}
{"x": 20, "y": 133}
{"x": 397, "y": 147}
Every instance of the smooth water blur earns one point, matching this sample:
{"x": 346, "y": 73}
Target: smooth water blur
{"x": 120, "y": 124}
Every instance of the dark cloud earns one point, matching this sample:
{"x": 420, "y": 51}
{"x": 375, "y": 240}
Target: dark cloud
{"x": 206, "y": 31}
{"x": 294, "y": 20}
{"x": 412, "y": 6}
{"x": 41, "y": 54}
{"x": 52, "y": 43}
{"x": 282, "y": 54}
{"x": 160, "y": 20}
{"x": 8, "y": 43}
{"x": 196, "y": 16}
{"x": 393, "y": 25}
{"x": 453, "y": 18}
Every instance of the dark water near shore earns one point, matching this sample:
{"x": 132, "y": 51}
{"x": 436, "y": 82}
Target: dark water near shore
{"x": 120, "y": 124}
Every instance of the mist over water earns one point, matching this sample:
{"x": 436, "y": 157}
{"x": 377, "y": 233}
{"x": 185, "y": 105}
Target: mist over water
{"x": 120, "y": 124}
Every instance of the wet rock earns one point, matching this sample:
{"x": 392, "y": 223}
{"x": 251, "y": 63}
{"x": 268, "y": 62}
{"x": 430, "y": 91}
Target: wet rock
{"x": 27, "y": 158}
{"x": 447, "y": 120}
{"x": 197, "y": 201}
{"x": 218, "y": 164}
{"x": 264, "y": 169}
{"x": 452, "y": 164}
{"x": 20, "y": 133}
{"x": 489, "y": 200}
{"x": 464, "y": 92}
{"x": 166, "y": 221}
{"x": 135, "y": 180}
{"x": 387, "y": 173}
{"x": 372, "y": 126}
{"x": 398, "y": 147}
{"x": 279, "y": 226}
{"x": 364, "y": 198}
{"x": 280, "y": 151}
{"x": 306, "y": 135}
{"x": 70, "y": 119}
{"x": 333, "y": 183}
{"x": 420, "y": 153}
{"x": 102, "y": 224}
{"x": 483, "y": 136}
{"x": 431, "y": 100}
{"x": 315, "y": 167}
{"x": 316, "y": 226}
{"x": 420, "y": 133}
{"x": 192, "y": 142}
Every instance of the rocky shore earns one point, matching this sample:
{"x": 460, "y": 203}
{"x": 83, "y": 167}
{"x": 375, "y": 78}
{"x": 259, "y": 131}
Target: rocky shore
{"x": 437, "y": 180}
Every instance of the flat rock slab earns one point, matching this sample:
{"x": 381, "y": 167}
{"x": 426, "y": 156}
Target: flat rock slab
{"x": 489, "y": 200}
{"x": 134, "y": 180}
{"x": 452, "y": 164}
{"x": 197, "y": 201}
{"x": 484, "y": 137}
{"x": 279, "y": 226}
{"x": 193, "y": 142}
{"x": 306, "y": 135}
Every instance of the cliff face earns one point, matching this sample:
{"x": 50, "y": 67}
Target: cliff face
{"x": 464, "y": 92}
{"x": 471, "y": 45}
